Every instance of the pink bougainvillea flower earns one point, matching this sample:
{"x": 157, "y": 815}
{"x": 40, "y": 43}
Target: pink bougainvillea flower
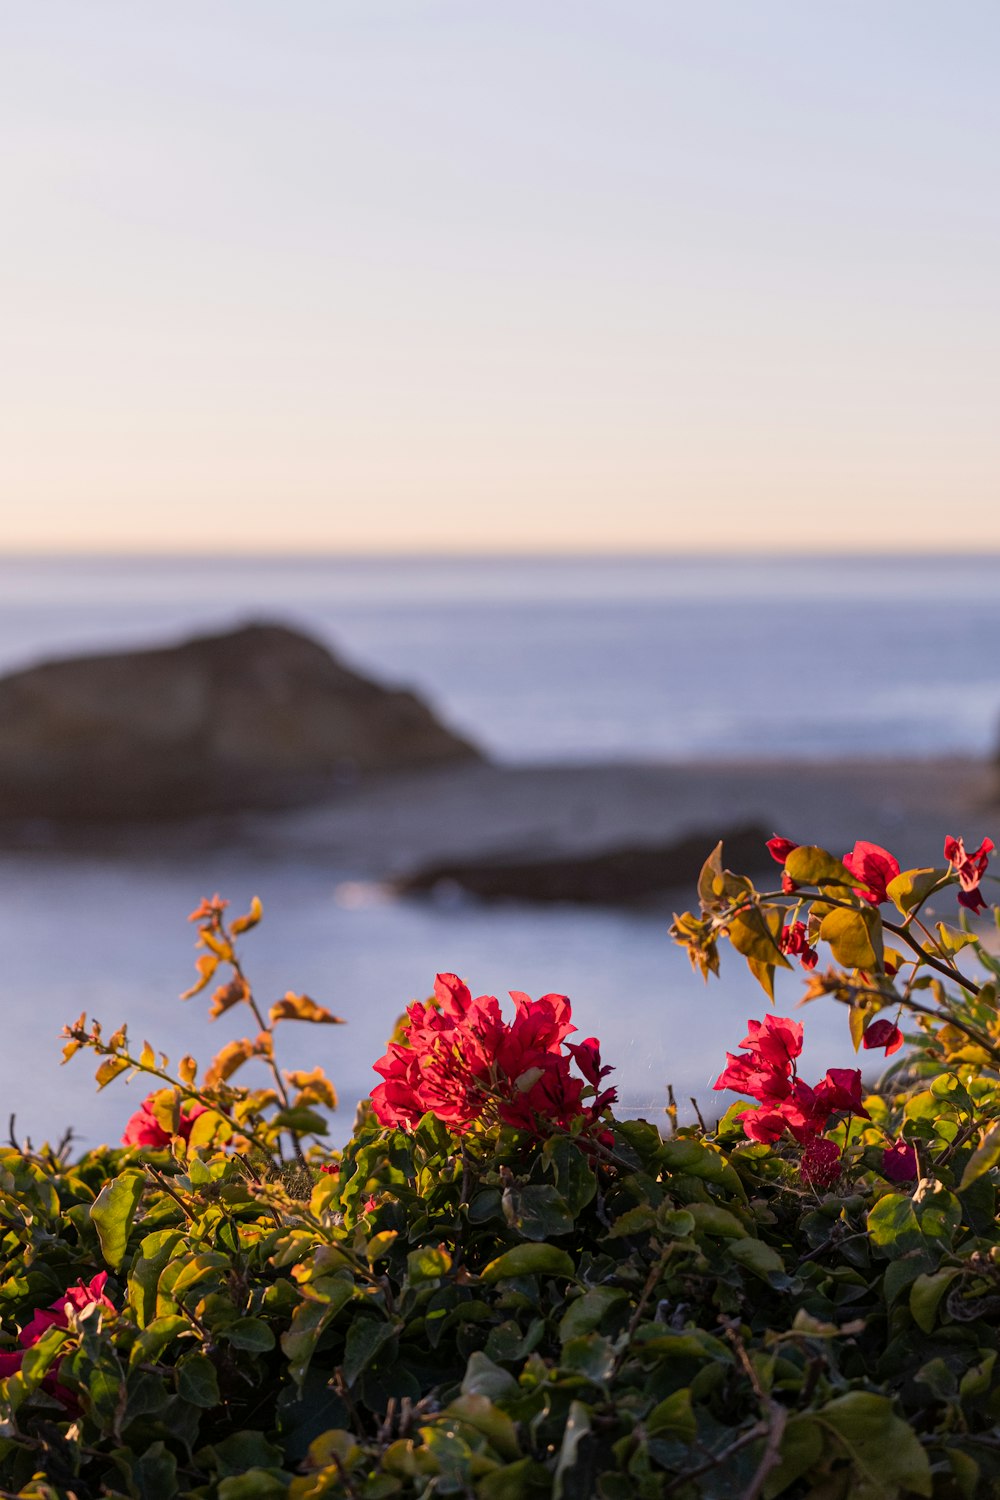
{"x": 840, "y": 1090}
{"x": 793, "y": 940}
{"x": 462, "y": 1062}
{"x": 331, "y": 1168}
{"x": 821, "y": 1166}
{"x": 765, "y": 1071}
{"x": 77, "y": 1298}
{"x": 883, "y": 1034}
{"x": 779, "y": 849}
{"x": 899, "y": 1161}
{"x": 970, "y": 869}
{"x": 875, "y": 867}
{"x": 144, "y": 1129}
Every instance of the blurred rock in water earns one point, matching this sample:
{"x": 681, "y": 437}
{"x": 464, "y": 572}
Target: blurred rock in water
{"x": 259, "y": 717}
{"x": 609, "y": 877}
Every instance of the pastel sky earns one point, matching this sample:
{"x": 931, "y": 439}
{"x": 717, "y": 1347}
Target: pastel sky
{"x": 499, "y": 274}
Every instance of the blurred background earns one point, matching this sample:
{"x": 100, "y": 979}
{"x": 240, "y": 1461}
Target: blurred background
{"x": 618, "y": 381}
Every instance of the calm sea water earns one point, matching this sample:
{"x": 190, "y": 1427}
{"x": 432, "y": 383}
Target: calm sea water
{"x": 540, "y": 660}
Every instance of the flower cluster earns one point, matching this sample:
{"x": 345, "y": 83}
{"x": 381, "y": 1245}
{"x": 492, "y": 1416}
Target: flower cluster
{"x": 78, "y": 1299}
{"x": 767, "y": 1072}
{"x": 460, "y": 1061}
{"x": 144, "y": 1129}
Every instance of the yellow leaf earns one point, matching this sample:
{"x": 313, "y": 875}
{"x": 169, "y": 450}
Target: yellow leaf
{"x": 206, "y": 966}
{"x": 118, "y": 1039}
{"x": 209, "y": 1129}
{"x": 809, "y": 865}
{"x": 109, "y": 1068}
{"x": 753, "y": 932}
{"x": 252, "y": 917}
{"x": 218, "y": 945}
{"x": 147, "y": 1057}
{"x": 187, "y": 1070}
{"x": 855, "y": 937}
{"x": 301, "y": 1008}
{"x": 166, "y": 1109}
{"x": 910, "y": 888}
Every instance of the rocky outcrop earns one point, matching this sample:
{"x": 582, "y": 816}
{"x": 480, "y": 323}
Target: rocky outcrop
{"x": 260, "y": 717}
{"x": 609, "y": 877}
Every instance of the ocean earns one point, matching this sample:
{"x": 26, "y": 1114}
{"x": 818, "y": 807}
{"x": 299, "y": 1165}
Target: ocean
{"x": 542, "y": 660}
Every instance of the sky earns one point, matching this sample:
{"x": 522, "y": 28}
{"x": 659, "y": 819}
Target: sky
{"x": 539, "y": 275}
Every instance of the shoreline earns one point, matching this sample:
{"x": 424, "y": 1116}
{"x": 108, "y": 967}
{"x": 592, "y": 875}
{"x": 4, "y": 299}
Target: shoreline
{"x": 381, "y": 828}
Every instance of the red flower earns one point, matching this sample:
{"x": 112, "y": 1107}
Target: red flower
{"x": 899, "y": 1161}
{"x": 464, "y": 1063}
{"x": 766, "y": 1072}
{"x": 821, "y": 1166}
{"x": 779, "y": 850}
{"x": 840, "y": 1090}
{"x": 970, "y": 869}
{"x": 144, "y": 1129}
{"x": 883, "y": 1034}
{"x": 875, "y": 867}
{"x": 793, "y": 940}
{"x": 331, "y": 1168}
{"x": 76, "y": 1299}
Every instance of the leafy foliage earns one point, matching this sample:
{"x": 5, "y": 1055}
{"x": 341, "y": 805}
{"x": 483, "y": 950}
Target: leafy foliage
{"x": 554, "y": 1304}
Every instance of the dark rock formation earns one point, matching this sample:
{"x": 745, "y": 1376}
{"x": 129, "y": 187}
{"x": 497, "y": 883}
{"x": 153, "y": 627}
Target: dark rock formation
{"x": 610, "y": 877}
{"x": 260, "y": 717}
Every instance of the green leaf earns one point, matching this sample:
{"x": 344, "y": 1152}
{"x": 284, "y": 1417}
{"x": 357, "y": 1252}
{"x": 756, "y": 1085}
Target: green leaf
{"x": 757, "y": 1257}
{"x": 251, "y": 1334}
{"x": 576, "y": 1429}
{"x": 197, "y": 1381}
{"x": 365, "y": 1338}
{"x": 586, "y": 1312}
{"x": 529, "y": 1260}
{"x": 674, "y": 1416}
{"x": 810, "y": 865}
{"x": 985, "y": 1157}
{"x": 427, "y": 1264}
{"x": 925, "y": 1296}
{"x": 153, "y": 1472}
{"x": 309, "y": 1321}
{"x": 538, "y": 1211}
{"x": 710, "y": 1219}
{"x": 801, "y": 1449}
{"x": 113, "y": 1212}
{"x": 484, "y": 1378}
{"x": 886, "y": 1452}
{"x": 855, "y": 937}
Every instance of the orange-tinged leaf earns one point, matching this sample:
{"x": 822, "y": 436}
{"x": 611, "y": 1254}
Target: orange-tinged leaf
{"x": 314, "y": 1088}
{"x": 228, "y": 995}
{"x": 118, "y": 1038}
{"x": 206, "y": 966}
{"x": 70, "y": 1048}
{"x": 147, "y": 1057}
{"x": 109, "y": 1068}
{"x": 301, "y": 1008}
{"x": 187, "y": 1070}
{"x": 250, "y": 919}
{"x": 232, "y": 1056}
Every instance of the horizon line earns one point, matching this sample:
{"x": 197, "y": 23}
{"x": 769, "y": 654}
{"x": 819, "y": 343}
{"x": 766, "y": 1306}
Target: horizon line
{"x": 225, "y": 555}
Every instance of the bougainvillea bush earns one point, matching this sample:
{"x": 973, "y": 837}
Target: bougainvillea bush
{"x": 498, "y": 1289}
